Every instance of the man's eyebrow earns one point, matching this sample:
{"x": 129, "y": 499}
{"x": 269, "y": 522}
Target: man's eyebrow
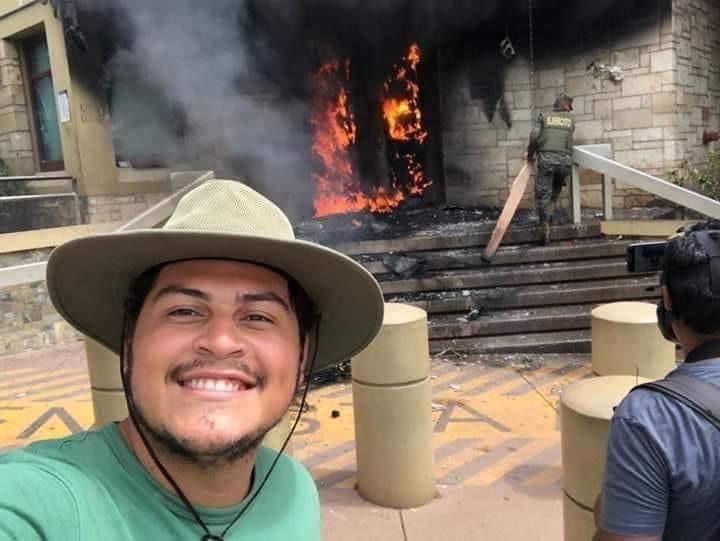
{"x": 180, "y": 290}
{"x": 267, "y": 296}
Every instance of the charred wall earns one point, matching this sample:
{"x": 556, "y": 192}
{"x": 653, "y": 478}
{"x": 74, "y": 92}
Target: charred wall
{"x": 485, "y": 138}
{"x": 237, "y": 75}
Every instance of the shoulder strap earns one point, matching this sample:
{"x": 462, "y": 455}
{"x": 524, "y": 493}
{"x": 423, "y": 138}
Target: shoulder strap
{"x": 702, "y": 397}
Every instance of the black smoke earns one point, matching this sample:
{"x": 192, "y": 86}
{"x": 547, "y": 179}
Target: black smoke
{"x": 234, "y": 73}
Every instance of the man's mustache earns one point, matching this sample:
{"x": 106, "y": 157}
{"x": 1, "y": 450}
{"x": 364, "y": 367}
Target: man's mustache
{"x": 179, "y": 372}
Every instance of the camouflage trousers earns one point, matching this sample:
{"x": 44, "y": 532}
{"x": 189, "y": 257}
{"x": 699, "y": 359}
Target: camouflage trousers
{"x": 552, "y": 174}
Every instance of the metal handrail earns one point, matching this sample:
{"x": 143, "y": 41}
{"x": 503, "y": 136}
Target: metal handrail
{"x": 35, "y": 272}
{"x": 72, "y": 181}
{"x": 597, "y": 158}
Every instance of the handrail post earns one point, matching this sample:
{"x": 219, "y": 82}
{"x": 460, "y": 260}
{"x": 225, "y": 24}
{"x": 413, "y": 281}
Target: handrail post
{"x": 607, "y": 192}
{"x": 76, "y": 198}
{"x": 575, "y": 195}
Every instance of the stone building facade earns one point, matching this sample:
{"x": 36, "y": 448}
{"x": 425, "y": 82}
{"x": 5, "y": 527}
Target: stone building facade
{"x": 15, "y": 137}
{"x": 654, "y": 118}
{"x": 54, "y": 120}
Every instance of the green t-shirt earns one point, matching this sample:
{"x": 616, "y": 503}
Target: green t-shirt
{"x": 90, "y": 486}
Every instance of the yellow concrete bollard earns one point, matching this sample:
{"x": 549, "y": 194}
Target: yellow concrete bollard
{"x": 626, "y": 340}
{"x": 585, "y": 412}
{"x": 108, "y": 398}
{"x": 392, "y": 405}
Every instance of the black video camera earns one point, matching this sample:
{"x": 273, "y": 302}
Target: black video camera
{"x": 645, "y": 256}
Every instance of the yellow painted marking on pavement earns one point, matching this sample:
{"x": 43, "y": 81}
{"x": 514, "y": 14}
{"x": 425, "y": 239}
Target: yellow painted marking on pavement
{"x": 510, "y": 376}
{"x": 46, "y": 379}
{"x": 548, "y": 476}
{"x": 55, "y": 388}
{"x": 494, "y": 472}
{"x": 350, "y": 482}
{"x": 452, "y": 462}
{"x": 340, "y": 465}
{"x": 10, "y": 373}
{"x": 445, "y": 379}
{"x": 469, "y": 452}
{"x": 16, "y": 424}
{"x": 331, "y": 390}
{"x": 565, "y": 379}
{"x": 481, "y": 377}
{"x": 522, "y": 379}
{"x": 37, "y": 396}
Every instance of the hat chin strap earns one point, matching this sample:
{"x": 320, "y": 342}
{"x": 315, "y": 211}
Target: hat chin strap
{"x": 132, "y": 411}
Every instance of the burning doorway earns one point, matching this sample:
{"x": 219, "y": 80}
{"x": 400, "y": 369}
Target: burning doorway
{"x": 375, "y": 145}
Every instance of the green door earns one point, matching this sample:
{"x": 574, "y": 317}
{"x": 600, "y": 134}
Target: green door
{"x": 43, "y": 103}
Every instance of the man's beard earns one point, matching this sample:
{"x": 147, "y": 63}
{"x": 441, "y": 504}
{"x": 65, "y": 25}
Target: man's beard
{"x": 223, "y": 454}
{"x": 182, "y": 447}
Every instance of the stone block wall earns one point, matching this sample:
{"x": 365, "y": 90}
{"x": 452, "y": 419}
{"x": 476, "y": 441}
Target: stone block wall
{"x": 652, "y": 119}
{"x": 58, "y": 212}
{"x": 36, "y": 214}
{"x": 15, "y": 137}
{"x": 29, "y": 321}
{"x": 108, "y": 208}
{"x": 696, "y": 33}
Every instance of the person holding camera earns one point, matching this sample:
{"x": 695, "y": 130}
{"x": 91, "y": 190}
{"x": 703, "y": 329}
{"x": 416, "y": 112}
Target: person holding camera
{"x": 662, "y": 477}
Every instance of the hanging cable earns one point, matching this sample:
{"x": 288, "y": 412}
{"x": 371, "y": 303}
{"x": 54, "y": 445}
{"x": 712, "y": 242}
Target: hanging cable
{"x": 532, "y": 58}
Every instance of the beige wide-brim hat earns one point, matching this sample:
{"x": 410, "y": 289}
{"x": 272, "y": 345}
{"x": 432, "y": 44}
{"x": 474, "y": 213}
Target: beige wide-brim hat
{"x": 88, "y": 278}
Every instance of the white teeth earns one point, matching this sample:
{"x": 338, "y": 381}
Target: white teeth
{"x": 216, "y": 385}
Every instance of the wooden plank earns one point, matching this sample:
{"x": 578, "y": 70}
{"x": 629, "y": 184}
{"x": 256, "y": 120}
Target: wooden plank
{"x": 511, "y": 204}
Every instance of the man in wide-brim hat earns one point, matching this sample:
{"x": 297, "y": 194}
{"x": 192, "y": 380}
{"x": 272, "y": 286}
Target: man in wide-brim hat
{"x": 217, "y": 317}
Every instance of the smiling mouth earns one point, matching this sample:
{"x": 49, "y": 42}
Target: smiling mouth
{"x": 214, "y": 385}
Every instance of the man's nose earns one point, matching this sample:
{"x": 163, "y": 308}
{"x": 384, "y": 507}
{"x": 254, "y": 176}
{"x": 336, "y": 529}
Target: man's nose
{"x": 222, "y": 337}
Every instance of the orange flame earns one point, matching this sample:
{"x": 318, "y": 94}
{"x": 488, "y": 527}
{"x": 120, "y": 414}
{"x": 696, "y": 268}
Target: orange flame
{"x": 335, "y": 132}
{"x": 403, "y": 115}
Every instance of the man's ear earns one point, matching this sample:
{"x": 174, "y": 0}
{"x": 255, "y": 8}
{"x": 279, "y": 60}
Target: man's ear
{"x": 303, "y": 361}
{"x": 667, "y": 301}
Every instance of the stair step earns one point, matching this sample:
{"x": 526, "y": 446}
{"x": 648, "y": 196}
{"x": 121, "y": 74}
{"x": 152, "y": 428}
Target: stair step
{"x": 472, "y": 257}
{"x": 542, "y": 342}
{"x": 479, "y": 236}
{"x": 559, "y": 272}
{"x": 600, "y": 291}
{"x": 555, "y": 318}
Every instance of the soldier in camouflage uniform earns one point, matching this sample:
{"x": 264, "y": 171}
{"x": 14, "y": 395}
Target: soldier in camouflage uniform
{"x": 551, "y": 143}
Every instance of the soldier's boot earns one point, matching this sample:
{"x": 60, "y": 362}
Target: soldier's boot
{"x": 546, "y": 233}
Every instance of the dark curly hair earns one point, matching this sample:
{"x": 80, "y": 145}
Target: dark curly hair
{"x": 686, "y": 268}
{"x": 300, "y": 303}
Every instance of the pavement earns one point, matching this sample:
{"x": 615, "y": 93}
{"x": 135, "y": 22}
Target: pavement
{"x": 496, "y": 442}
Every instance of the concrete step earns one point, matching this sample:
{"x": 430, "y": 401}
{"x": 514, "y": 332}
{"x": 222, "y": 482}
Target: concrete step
{"x": 443, "y": 260}
{"x": 530, "y": 298}
{"x": 596, "y": 291}
{"x": 553, "y": 318}
{"x": 467, "y": 236}
{"x": 541, "y": 342}
{"x": 442, "y": 286}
